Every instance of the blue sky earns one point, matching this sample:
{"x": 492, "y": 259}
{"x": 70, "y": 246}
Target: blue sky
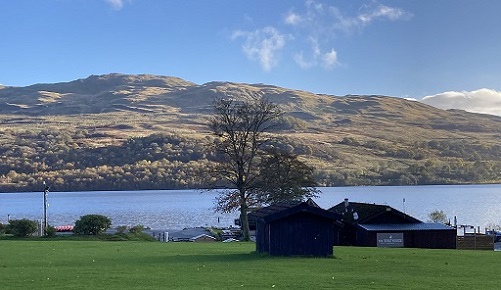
{"x": 448, "y": 51}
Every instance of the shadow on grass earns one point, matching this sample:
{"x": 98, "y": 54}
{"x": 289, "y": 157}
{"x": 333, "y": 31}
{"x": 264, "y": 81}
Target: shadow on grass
{"x": 223, "y": 258}
{"x": 205, "y": 258}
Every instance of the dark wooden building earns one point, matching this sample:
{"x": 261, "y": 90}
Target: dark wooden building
{"x": 381, "y": 225}
{"x": 295, "y": 229}
{"x": 414, "y": 235}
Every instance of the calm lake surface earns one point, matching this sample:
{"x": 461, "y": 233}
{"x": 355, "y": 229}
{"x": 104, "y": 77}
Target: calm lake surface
{"x": 476, "y": 205}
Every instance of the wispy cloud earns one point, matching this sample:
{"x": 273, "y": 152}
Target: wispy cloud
{"x": 320, "y": 26}
{"x": 316, "y": 57}
{"x": 116, "y": 4}
{"x": 300, "y": 60}
{"x": 329, "y": 59}
{"x": 262, "y": 45}
{"x": 377, "y": 11}
{"x": 314, "y": 6}
{"x": 314, "y": 29}
{"x": 484, "y": 101}
{"x": 368, "y": 14}
{"x": 292, "y": 18}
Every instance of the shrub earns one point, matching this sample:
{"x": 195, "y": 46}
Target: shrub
{"x": 136, "y": 229}
{"x": 121, "y": 229}
{"x": 92, "y": 224}
{"x": 141, "y": 236}
{"x": 22, "y": 227}
{"x": 2, "y": 229}
{"x": 437, "y": 217}
{"x": 50, "y": 231}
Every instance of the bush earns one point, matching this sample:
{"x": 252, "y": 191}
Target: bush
{"x": 2, "y": 229}
{"x": 22, "y": 227}
{"x": 50, "y": 231}
{"x": 136, "y": 229}
{"x": 121, "y": 229}
{"x": 437, "y": 217}
{"x": 92, "y": 224}
{"x": 128, "y": 237}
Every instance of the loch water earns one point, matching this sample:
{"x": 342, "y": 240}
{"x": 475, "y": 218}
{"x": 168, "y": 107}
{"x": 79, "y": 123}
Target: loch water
{"x": 477, "y": 205}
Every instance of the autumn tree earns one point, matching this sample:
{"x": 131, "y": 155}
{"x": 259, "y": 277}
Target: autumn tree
{"x": 242, "y": 128}
{"x": 283, "y": 177}
{"x": 438, "y": 216}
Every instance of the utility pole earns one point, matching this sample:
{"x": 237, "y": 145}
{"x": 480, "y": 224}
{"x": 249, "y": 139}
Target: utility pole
{"x": 45, "y": 205}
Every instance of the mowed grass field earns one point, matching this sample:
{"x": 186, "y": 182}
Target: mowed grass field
{"x": 61, "y": 264}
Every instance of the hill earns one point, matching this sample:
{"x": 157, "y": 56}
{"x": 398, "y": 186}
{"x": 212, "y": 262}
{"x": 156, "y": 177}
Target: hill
{"x": 143, "y": 131}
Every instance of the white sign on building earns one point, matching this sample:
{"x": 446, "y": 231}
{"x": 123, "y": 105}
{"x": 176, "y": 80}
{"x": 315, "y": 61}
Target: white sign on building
{"x": 390, "y": 240}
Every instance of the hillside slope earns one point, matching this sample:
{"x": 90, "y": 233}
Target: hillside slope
{"x": 350, "y": 140}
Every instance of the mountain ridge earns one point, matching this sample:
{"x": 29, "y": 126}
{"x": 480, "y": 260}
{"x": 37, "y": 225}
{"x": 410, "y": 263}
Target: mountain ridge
{"x": 351, "y": 140}
{"x": 159, "y": 94}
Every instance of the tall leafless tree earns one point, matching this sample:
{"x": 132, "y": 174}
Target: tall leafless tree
{"x": 242, "y": 128}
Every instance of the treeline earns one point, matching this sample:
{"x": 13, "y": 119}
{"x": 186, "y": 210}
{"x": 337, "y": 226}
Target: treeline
{"x": 448, "y": 161}
{"x": 455, "y": 148}
{"x": 167, "y": 161}
{"x": 153, "y": 162}
{"x": 434, "y": 171}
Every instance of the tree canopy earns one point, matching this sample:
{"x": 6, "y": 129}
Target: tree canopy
{"x": 254, "y": 174}
{"x": 438, "y": 216}
{"x": 283, "y": 177}
{"x": 92, "y": 224}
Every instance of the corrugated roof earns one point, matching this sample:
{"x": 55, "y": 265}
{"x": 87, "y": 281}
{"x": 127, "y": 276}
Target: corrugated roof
{"x": 284, "y": 209}
{"x": 405, "y": 227}
{"x": 367, "y": 212}
{"x": 188, "y": 233}
{"x": 274, "y": 208}
{"x": 278, "y": 207}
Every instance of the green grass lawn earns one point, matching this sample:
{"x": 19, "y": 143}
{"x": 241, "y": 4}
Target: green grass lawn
{"x": 69, "y": 264}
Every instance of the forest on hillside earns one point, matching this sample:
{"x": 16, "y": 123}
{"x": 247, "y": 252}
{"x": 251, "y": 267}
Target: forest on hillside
{"x": 131, "y": 132}
{"x": 171, "y": 161}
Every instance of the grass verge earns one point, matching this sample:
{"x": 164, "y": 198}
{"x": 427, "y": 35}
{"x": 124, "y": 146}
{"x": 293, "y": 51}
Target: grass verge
{"x": 73, "y": 264}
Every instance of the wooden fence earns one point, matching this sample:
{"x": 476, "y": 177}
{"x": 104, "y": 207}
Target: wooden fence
{"x": 475, "y": 242}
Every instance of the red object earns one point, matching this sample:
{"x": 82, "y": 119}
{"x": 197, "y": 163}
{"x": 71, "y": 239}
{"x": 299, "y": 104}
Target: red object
{"x": 66, "y": 228}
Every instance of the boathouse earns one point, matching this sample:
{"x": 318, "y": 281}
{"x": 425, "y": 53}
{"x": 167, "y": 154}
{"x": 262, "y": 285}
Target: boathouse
{"x": 374, "y": 225}
{"x": 295, "y": 229}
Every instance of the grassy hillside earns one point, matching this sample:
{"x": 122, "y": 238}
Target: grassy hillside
{"x": 153, "y": 265}
{"x": 142, "y": 132}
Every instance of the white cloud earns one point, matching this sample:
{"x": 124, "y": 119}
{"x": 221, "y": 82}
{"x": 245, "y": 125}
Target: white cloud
{"x": 330, "y": 59}
{"x": 317, "y": 25}
{"x": 321, "y": 25}
{"x": 381, "y": 11}
{"x": 485, "y": 101}
{"x": 116, "y": 4}
{"x": 292, "y": 18}
{"x": 314, "y": 6}
{"x": 262, "y": 45}
{"x": 316, "y": 57}
{"x": 366, "y": 16}
{"x": 327, "y": 60}
{"x": 302, "y": 62}
{"x": 315, "y": 47}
